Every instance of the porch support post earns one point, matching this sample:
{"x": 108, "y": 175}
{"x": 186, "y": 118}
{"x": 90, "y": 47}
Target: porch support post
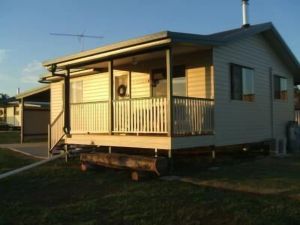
{"x": 21, "y": 110}
{"x": 169, "y": 71}
{"x": 67, "y": 127}
{"x": 110, "y": 96}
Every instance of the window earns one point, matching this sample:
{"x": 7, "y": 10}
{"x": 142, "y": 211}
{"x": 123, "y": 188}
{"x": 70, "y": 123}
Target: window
{"x": 121, "y": 86}
{"x": 159, "y": 81}
{"x": 280, "y": 88}
{"x": 179, "y": 81}
{"x": 76, "y": 92}
{"x": 242, "y": 83}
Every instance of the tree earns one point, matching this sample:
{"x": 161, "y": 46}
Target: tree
{"x": 3, "y": 98}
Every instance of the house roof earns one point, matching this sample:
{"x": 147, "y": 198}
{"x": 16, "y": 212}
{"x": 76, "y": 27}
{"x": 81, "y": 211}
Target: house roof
{"x": 33, "y": 91}
{"x": 216, "y": 39}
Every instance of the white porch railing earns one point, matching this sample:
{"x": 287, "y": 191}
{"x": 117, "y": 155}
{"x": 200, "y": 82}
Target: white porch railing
{"x": 193, "y": 116}
{"x": 89, "y": 117}
{"x": 55, "y": 131}
{"x": 140, "y": 115}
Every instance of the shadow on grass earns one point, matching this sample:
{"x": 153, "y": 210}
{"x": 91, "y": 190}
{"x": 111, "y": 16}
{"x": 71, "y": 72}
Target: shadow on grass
{"x": 10, "y": 160}
{"x": 257, "y": 175}
{"x": 59, "y": 193}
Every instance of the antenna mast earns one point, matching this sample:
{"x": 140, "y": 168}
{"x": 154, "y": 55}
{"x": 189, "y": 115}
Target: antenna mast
{"x": 80, "y": 37}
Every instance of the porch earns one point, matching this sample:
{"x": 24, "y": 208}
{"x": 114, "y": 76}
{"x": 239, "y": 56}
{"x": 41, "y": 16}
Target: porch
{"x": 163, "y": 96}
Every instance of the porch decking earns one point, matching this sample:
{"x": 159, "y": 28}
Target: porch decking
{"x": 144, "y": 142}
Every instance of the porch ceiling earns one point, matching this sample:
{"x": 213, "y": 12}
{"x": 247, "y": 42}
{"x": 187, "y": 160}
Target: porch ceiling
{"x": 102, "y": 56}
{"x": 147, "y": 43}
{"x": 155, "y": 55}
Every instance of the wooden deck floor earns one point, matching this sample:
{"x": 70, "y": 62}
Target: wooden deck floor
{"x": 159, "y": 142}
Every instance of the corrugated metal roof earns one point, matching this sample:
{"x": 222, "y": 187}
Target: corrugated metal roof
{"x": 33, "y": 91}
{"x": 215, "y": 39}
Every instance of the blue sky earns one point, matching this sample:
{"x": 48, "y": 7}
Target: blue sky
{"x": 25, "y": 26}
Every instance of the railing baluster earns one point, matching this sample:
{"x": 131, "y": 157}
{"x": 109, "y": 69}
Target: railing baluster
{"x": 193, "y": 115}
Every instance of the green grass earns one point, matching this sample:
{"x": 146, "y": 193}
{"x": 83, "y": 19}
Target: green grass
{"x": 12, "y": 137}
{"x": 59, "y": 193}
{"x": 10, "y": 160}
{"x": 9, "y": 137}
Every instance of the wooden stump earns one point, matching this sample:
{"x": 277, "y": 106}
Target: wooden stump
{"x": 84, "y": 166}
{"x": 135, "y": 176}
{"x": 157, "y": 165}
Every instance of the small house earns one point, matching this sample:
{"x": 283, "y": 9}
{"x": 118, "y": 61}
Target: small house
{"x": 29, "y": 112}
{"x": 172, "y": 91}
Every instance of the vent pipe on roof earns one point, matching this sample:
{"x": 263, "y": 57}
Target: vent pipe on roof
{"x": 245, "y": 7}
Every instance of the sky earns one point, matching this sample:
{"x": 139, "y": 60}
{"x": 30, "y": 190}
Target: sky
{"x": 25, "y": 27}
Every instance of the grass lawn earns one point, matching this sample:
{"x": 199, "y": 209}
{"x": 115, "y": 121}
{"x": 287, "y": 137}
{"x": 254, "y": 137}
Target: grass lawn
{"x": 9, "y": 137}
{"x": 263, "y": 191}
{"x": 10, "y": 160}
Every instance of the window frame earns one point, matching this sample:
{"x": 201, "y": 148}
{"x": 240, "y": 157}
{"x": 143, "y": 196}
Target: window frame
{"x": 274, "y": 91}
{"x": 232, "y": 65}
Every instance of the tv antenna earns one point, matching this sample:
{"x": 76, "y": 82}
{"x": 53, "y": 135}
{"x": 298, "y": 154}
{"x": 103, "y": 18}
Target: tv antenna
{"x": 80, "y": 37}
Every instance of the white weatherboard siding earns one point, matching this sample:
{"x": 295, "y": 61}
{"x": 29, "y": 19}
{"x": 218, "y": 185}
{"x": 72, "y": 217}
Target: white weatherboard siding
{"x": 56, "y": 99}
{"x": 200, "y": 82}
{"x": 239, "y": 122}
{"x": 140, "y": 85}
{"x": 11, "y": 118}
{"x": 94, "y": 87}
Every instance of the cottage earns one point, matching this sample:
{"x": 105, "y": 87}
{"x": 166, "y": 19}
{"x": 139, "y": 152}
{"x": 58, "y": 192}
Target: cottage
{"x": 171, "y": 91}
{"x": 28, "y": 111}
{"x": 9, "y": 115}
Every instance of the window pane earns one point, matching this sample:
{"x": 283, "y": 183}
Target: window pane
{"x": 121, "y": 86}
{"x": 179, "y": 81}
{"x": 236, "y": 82}
{"x": 283, "y": 88}
{"x": 248, "y": 84}
{"x": 276, "y": 87}
{"x": 242, "y": 83}
{"x": 159, "y": 81}
{"x": 280, "y": 88}
{"x": 179, "y": 86}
